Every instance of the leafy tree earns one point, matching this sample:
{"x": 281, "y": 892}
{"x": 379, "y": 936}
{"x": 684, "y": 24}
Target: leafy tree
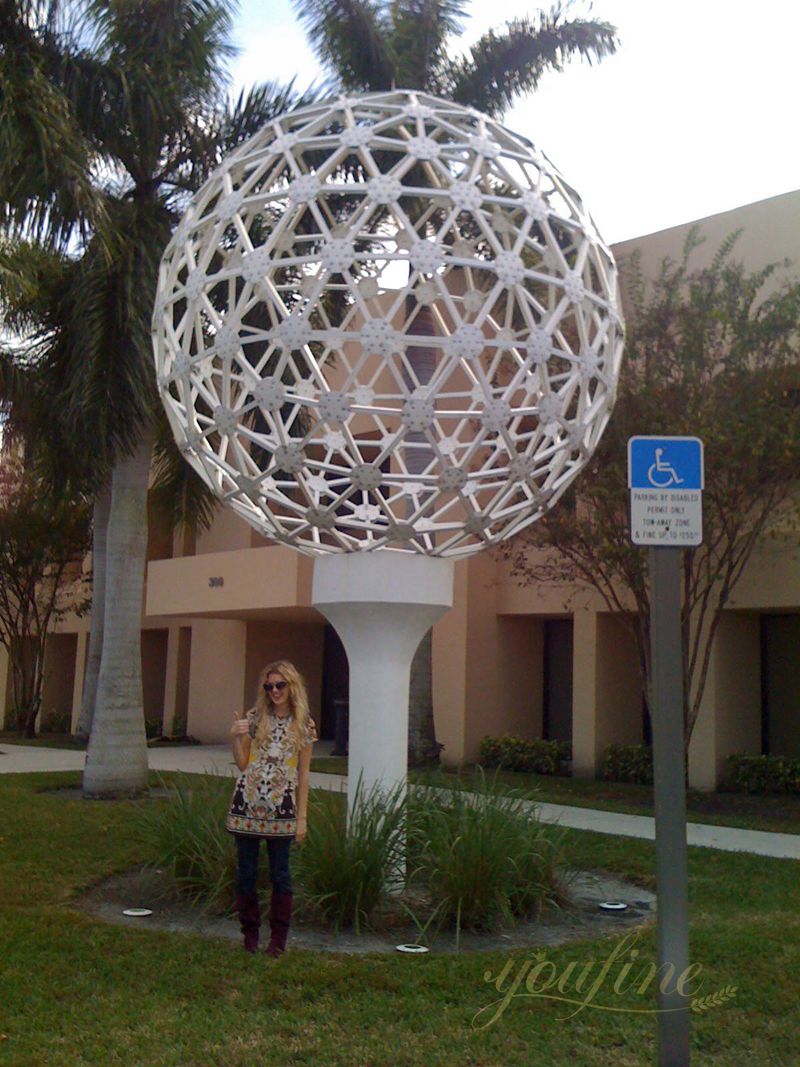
{"x": 43, "y": 539}
{"x": 711, "y": 352}
{"x": 139, "y": 90}
{"x": 376, "y": 45}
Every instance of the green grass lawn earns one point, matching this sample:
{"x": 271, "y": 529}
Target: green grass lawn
{"x": 11, "y": 737}
{"x": 75, "y": 991}
{"x": 52, "y": 740}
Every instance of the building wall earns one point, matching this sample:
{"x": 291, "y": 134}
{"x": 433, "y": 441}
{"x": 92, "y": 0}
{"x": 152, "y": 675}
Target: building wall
{"x": 618, "y": 686}
{"x": 770, "y": 232}
{"x": 729, "y": 720}
{"x": 227, "y": 532}
{"x": 217, "y": 692}
{"x": 450, "y": 669}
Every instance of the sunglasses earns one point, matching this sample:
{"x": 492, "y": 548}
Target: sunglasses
{"x": 280, "y": 686}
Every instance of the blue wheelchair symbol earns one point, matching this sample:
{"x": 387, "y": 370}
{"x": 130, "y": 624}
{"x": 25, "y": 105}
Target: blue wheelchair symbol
{"x": 661, "y": 475}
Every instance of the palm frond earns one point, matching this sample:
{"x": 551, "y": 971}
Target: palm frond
{"x": 420, "y": 29}
{"x": 152, "y": 102}
{"x": 502, "y": 66}
{"x": 177, "y": 493}
{"x": 27, "y": 13}
{"x": 205, "y": 142}
{"x": 103, "y": 366}
{"x": 259, "y": 105}
{"x": 32, "y": 281}
{"x": 45, "y": 155}
{"x": 39, "y": 366}
{"x": 351, "y": 39}
{"x": 33, "y": 419}
{"x": 16, "y": 396}
{"x": 190, "y": 37}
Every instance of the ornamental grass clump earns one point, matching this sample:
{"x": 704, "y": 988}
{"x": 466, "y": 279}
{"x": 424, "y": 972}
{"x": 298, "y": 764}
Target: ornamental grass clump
{"x": 346, "y": 866}
{"x": 483, "y": 854}
{"x": 472, "y": 857}
{"x": 186, "y": 839}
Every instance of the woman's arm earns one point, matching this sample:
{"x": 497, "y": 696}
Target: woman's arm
{"x": 240, "y": 742}
{"x": 304, "y": 763}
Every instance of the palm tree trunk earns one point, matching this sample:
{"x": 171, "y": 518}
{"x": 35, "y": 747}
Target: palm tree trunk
{"x": 116, "y": 761}
{"x": 102, "y": 507}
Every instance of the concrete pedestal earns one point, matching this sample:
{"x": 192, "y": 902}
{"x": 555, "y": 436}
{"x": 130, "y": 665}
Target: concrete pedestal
{"x": 381, "y": 604}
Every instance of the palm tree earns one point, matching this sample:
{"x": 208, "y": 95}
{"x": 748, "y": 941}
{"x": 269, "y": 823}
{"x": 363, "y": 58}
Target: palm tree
{"x": 141, "y": 90}
{"x": 378, "y": 45}
{"x": 375, "y": 45}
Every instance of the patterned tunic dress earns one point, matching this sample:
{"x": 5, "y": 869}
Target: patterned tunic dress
{"x": 264, "y": 800}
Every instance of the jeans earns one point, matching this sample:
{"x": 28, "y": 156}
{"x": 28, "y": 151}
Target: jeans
{"x": 247, "y": 866}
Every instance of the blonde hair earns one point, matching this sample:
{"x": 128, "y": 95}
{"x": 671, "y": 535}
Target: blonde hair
{"x": 298, "y": 702}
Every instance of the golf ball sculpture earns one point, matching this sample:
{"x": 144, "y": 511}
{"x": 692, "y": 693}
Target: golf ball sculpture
{"x": 386, "y": 321}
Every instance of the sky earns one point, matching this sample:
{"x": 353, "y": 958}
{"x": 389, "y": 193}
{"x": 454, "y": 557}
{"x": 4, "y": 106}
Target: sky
{"x": 696, "y": 114}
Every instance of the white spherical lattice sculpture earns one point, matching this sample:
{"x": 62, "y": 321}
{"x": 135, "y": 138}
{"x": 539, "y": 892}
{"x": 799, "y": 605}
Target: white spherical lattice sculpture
{"x": 386, "y": 321}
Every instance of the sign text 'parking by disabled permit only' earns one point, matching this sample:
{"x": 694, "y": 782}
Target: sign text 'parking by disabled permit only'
{"x": 665, "y": 479}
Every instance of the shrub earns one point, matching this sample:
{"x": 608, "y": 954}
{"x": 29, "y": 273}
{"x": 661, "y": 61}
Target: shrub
{"x": 152, "y": 728}
{"x": 628, "y": 763}
{"x": 761, "y": 774}
{"x": 187, "y": 838}
{"x": 483, "y": 855}
{"x": 520, "y": 754}
{"x": 56, "y": 722}
{"x": 472, "y": 858}
{"x": 179, "y": 723}
{"x": 345, "y": 868}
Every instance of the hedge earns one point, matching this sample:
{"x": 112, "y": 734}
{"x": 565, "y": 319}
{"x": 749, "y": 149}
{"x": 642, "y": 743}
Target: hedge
{"x": 761, "y": 774}
{"x": 519, "y": 754}
{"x": 628, "y": 763}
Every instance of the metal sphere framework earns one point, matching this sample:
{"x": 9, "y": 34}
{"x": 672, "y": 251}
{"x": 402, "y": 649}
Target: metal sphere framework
{"x": 386, "y": 321}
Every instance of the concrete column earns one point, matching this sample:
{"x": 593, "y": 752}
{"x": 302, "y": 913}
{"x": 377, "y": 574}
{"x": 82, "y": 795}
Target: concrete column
{"x": 381, "y": 605}
{"x": 730, "y": 712}
{"x": 80, "y": 672}
{"x": 171, "y": 679}
{"x": 702, "y": 745}
{"x": 584, "y": 695}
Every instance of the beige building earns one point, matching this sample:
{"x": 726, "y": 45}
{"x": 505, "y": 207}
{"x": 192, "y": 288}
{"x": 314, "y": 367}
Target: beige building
{"x": 536, "y": 663}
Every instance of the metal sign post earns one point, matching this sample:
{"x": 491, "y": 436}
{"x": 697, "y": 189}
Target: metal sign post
{"x": 665, "y": 477}
{"x": 670, "y": 801}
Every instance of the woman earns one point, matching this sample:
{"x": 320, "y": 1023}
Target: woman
{"x": 272, "y": 749}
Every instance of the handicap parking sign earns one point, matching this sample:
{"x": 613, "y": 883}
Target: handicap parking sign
{"x": 665, "y": 478}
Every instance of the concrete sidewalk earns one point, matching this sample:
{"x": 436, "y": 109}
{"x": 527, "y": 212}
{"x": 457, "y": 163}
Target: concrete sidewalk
{"x": 217, "y": 759}
{"x": 194, "y": 759}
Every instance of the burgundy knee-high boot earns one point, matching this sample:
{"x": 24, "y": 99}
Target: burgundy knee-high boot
{"x": 249, "y": 918}
{"x": 280, "y": 914}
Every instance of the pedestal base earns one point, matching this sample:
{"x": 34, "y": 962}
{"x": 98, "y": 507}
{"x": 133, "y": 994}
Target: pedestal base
{"x": 381, "y": 604}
